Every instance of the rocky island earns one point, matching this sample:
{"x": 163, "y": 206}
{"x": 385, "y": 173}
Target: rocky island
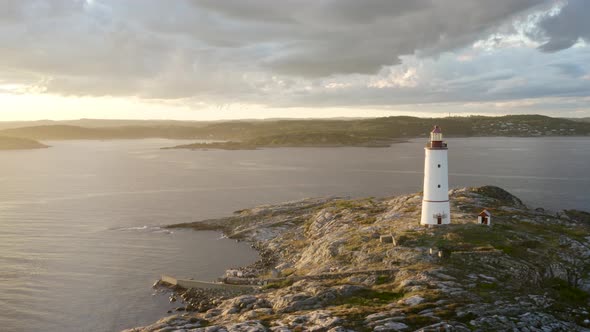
{"x": 335, "y": 264}
{"x": 15, "y": 143}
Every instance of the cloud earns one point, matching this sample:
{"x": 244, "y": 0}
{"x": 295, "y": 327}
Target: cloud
{"x": 570, "y": 69}
{"x": 397, "y": 78}
{"x": 567, "y": 27}
{"x": 18, "y": 10}
{"x": 292, "y": 52}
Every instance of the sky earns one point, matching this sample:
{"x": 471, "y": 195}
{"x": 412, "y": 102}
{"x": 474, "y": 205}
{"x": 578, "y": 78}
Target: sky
{"x": 231, "y": 59}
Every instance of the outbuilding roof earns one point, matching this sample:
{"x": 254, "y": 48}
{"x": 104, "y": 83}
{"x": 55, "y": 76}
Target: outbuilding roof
{"x": 485, "y": 213}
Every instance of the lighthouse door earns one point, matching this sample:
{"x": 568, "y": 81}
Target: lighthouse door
{"x": 439, "y": 220}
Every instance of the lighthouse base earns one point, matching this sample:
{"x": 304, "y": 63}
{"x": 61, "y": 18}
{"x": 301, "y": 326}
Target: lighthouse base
{"x": 435, "y": 213}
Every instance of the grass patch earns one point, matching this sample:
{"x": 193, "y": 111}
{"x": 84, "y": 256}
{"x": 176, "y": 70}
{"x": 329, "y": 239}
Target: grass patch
{"x": 382, "y": 279}
{"x": 369, "y": 298}
{"x": 548, "y": 230}
{"x": 365, "y": 205}
{"x": 580, "y": 216}
{"x": 484, "y": 286}
{"x": 279, "y": 284}
{"x": 486, "y": 290}
{"x": 457, "y": 237}
{"x": 419, "y": 320}
{"x": 566, "y": 293}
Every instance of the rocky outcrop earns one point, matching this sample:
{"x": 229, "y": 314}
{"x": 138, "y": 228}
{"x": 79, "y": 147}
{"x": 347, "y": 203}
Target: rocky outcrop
{"x": 326, "y": 268}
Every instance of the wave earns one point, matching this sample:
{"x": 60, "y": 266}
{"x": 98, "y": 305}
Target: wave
{"x": 145, "y": 228}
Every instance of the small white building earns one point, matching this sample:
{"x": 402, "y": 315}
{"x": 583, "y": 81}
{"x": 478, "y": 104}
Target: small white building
{"x": 484, "y": 218}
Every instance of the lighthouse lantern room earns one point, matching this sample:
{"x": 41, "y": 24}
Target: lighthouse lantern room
{"x": 435, "y": 202}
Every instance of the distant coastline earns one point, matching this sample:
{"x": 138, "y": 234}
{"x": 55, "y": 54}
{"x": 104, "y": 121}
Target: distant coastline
{"x": 16, "y": 143}
{"x": 329, "y": 140}
{"x": 251, "y": 134}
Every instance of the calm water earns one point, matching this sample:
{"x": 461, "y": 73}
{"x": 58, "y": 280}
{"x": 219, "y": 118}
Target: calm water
{"x": 80, "y": 244}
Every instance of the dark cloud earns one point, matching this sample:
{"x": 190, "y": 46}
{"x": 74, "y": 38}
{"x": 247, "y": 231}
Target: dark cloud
{"x": 567, "y": 27}
{"x": 266, "y": 51}
{"x": 323, "y": 38}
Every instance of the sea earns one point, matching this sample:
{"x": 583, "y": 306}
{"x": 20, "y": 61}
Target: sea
{"x": 81, "y": 223}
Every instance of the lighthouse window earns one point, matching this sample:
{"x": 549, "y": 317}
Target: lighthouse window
{"x": 438, "y": 165}
{"x": 439, "y": 185}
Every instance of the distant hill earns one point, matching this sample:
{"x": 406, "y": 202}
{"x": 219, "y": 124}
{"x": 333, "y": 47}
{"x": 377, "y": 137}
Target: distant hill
{"x": 580, "y": 119}
{"x": 101, "y": 123}
{"x": 315, "y": 132}
{"x": 68, "y": 132}
{"x": 14, "y": 143}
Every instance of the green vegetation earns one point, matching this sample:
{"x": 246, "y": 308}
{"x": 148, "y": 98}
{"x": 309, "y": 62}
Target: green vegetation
{"x": 527, "y": 261}
{"x": 367, "y": 205}
{"x": 523, "y": 241}
{"x": 216, "y": 146}
{"x": 382, "y": 279}
{"x": 318, "y": 139}
{"x": 377, "y": 132}
{"x": 499, "y": 194}
{"x": 512, "y": 238}
{"x": 485, "y": 290}
{"x": 279, "y": 284}
{"x": 368, "y": 298}
{"x": 291, "y": 140}
{"x": 567, "y": 293}
{"x": 579, "y": 216}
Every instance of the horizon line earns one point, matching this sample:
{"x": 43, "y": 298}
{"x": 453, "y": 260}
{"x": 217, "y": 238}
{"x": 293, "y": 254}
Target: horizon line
{"x": 343, "y": 118}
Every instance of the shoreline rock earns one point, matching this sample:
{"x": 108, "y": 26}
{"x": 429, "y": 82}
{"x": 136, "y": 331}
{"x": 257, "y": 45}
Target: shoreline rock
{"x": 325, "y": 268}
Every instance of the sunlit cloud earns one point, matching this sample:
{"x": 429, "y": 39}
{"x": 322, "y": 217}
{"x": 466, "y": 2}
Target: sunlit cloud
{"x": 209, "y": 59}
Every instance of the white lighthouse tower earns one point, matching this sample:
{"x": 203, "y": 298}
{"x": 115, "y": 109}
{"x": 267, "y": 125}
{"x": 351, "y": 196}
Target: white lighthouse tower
{"x": 436, "y": 209}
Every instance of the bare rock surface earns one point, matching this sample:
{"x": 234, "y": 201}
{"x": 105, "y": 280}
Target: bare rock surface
{"x": 324, "y": 267}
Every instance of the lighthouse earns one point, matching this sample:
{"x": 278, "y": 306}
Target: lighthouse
{"x": 435, "y": 202}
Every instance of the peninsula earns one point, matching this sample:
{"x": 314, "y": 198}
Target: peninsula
{"x": 295, "y": 140}
{"x": 17, "y": 143}
{"x": 333, "y": 264}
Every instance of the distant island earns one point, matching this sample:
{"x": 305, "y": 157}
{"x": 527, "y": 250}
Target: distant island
{"x": 252, "y": 134}
{"x": 16, "y": 143}
{"x": 333, "y": 264}
{"x": 294, "y": 140}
